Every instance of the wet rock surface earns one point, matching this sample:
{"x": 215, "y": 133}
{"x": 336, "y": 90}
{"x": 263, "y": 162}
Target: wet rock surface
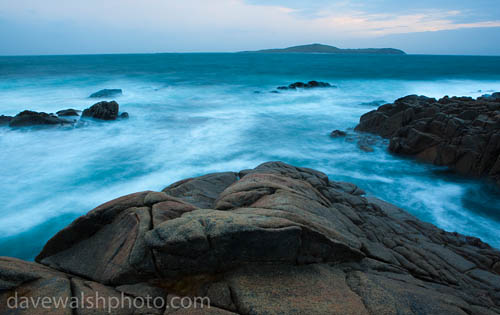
{"x": 276, "y": 239}
{"x": 68, "y": 112}
{"x": 459, "y": 132}
{"x": 106, "y": 93}
{"x": 31, "y": 118}
{"x": 103, "y": 110}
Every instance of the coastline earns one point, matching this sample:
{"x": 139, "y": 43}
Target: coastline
{"x": 243, "y": 231}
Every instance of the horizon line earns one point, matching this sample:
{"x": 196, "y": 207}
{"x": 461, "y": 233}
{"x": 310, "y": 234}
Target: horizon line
{"x": 235, "y": 52}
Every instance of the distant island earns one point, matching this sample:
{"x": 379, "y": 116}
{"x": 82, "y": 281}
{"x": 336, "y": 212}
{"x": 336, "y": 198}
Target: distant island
{"x": 325, "y": 49}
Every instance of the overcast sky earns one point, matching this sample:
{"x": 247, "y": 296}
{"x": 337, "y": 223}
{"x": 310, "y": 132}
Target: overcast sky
{"x": 137, "y": 26}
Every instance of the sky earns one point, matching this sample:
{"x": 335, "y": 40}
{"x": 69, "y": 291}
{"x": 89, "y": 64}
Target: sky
{"x": 470, "y": 27}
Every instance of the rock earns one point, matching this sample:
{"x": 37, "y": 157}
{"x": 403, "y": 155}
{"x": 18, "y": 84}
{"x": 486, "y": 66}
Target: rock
{"x": 496, "y": 267}
{"x": 311, "y": 289}
{"x": 30, "y": 118}
{"x": 366, "y": 142}
{"x": 365, "y": 148}
{"x": 338, "y": 134}
{"x": 5, "y": 120}
{"x": 457, "y": 132}
{"x": 23, "y": 282}
{"x": 68, "y": 112}
{"x": 124, "y": 115}
{"x": 202, "y": 191}
{"x": 308, "y": 85}
{"x": 102, "y": 110}
{"x": 277, "y": 239}
{"x": 106, "y": 93}
{"x": 209, "y": 241}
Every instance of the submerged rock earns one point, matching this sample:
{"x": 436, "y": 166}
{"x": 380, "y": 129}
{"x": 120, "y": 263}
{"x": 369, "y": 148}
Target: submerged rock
{"x": 308, "y": 85}
{"x": 5, "y": 120}
{"x": 338, "y": 134}
{"x": 458, "y": 132}
{"x": 30, "y": 118}
{"x": 68, "y": 112}
{"x": 103, "y": 110}
{"x": 276, "y": 239}
{"x": 106, "y": 93}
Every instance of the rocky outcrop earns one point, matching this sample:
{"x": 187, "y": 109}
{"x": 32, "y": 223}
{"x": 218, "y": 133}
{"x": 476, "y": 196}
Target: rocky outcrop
{"x": 31, "y": 118}
{"x": 276, "y": 239}
{"x": 106, "y": 93}
{"x": 308, "y": 85}
{"x": 459, "y": 132}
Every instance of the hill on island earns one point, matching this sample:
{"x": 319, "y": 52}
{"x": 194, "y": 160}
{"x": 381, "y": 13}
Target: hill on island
{"x": 325, "y": 49}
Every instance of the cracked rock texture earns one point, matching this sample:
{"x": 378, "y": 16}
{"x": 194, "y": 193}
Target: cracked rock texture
{"x": 459, "y": 132}
{"x": 277, "y": 239}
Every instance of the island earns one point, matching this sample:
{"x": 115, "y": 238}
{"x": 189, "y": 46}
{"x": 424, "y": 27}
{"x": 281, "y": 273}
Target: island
{"x": 326, "y": 49}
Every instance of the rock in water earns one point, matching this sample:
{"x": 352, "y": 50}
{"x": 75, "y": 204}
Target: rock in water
{"x": 458, "y": 132}
{"x": 31, "y": 118}
{"x": 338, "y": 133}
{"x": 276, "y": 239}
{"x": 105, "y": 93}
{"x": 102, "y": 110}
{"x": 68, "y": 112}
{"x": 308, "y": 85}
{"x": 5, "y": 120}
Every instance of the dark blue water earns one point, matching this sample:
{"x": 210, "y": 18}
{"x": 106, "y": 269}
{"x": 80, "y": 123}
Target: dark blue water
{"x": 196, "y": 113}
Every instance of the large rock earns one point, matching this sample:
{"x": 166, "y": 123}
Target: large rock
{"x": 102, "y": 110}
{"x": 276, "y": 239}
{"x": 30, "y": 118}
{"x": 106, "y": 93}
{"x": 458, "y": 132}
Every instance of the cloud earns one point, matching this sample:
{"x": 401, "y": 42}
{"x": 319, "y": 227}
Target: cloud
{"x": 232, "y": 15}
{"x": 221, "y": 24}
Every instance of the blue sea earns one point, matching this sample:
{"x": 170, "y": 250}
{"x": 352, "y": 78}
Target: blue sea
{"x": 192, "y": 114}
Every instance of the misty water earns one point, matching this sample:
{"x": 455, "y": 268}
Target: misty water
{"x": 192, "y": 114}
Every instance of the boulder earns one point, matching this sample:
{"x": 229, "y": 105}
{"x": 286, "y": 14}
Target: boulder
{"x": 106, "y": 93}
{"x": 30, "y": 118}
{"x": 102, "y": 110}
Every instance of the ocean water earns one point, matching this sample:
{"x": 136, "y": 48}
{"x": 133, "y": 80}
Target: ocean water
{"x": 192, "y": 114}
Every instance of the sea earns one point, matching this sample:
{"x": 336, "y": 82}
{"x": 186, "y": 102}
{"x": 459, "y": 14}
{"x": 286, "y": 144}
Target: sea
{"x": 197, "y": 113}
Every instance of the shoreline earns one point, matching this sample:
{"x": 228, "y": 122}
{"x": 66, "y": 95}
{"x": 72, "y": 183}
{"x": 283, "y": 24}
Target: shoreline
{"x": 242, "y": 231}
